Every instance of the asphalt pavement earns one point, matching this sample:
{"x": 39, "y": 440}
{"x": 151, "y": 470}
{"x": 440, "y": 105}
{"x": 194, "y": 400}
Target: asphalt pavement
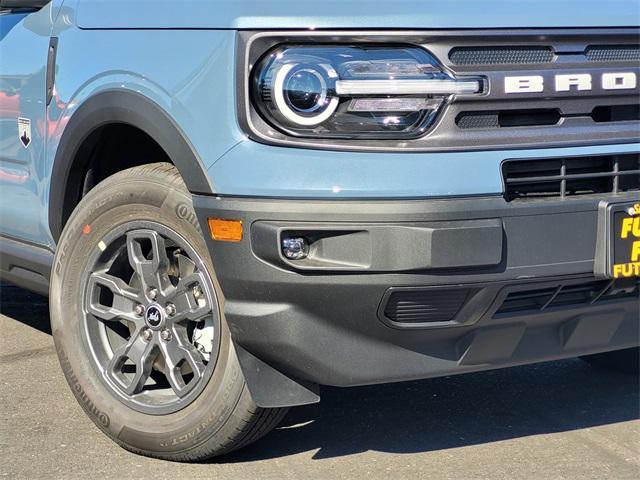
{"x": 557, "y": 420}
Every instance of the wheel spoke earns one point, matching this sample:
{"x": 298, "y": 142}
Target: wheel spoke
{"x": 176, "y": 353}
{"x": 186, "y": 266}
{"x": 142, "y": 354}
{"x": 124, "y": 298}
{"x": 188, "y": 307}
{"x": 151, "y": 272}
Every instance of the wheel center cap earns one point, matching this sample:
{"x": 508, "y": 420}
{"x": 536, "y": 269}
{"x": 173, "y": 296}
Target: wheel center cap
{"x": 154, "y": 316}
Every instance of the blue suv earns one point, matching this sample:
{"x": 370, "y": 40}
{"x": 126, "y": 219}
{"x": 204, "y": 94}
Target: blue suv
{"x": 232, "y": 203}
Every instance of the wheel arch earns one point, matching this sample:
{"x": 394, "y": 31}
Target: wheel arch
{"x": 117, "y": 107}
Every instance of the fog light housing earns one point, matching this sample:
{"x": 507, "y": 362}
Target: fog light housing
{"x": 295, "y": 248}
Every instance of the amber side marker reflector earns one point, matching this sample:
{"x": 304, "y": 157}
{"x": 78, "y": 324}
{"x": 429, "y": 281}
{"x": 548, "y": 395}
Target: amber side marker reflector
{"x": 225, "y": 230}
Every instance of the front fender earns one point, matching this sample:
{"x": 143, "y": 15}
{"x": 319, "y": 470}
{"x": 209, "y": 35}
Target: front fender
{"x": 124, "y": 107}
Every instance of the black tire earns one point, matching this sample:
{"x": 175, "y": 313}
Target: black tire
{"x": 626, "y": 361}
{"x": 222, "y": 417}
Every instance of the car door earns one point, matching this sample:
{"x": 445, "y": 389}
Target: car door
{"x": 25, "y": 28}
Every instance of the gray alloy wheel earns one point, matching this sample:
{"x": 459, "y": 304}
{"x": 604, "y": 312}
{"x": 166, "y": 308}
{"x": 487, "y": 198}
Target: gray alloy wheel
{"x": 150, "y": 317}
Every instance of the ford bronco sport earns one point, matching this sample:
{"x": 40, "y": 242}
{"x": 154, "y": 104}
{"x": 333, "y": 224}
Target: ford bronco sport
{"x": 231, "y": 203}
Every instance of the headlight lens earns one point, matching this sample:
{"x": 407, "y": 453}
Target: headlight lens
{"x": 300, "y": 94}
{"x": 353, "y": 91}
{"x": 305, "y": 90}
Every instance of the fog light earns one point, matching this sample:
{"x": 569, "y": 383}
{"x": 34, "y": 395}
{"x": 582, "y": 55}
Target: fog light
{"x": 295, "y": 248}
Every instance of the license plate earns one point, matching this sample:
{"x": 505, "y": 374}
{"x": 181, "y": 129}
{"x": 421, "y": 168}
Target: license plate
{"x": 623, "y": 240}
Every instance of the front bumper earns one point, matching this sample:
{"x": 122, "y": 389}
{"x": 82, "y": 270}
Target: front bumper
{"x": 330, "y": 319}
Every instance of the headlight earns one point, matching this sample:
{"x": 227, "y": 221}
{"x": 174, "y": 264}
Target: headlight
{"x": 353, "y": 91}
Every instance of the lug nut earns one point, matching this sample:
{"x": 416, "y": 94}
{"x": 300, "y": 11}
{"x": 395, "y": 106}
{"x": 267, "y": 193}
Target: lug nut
{"x": 139, "y": 310}
{"x": 165, "y": 335}
{"x": 147, "y": 334}
{"x": 153, "y": 293}
{"x": 170, "y": 309}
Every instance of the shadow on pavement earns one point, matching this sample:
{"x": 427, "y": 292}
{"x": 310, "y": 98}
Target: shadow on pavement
{"x": 26, "y": 307}
{"x": 427, "y": 415}
{"x": 452, "y": 412}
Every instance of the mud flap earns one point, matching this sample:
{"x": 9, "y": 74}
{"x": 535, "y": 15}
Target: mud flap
{"x": 270, "y": 388}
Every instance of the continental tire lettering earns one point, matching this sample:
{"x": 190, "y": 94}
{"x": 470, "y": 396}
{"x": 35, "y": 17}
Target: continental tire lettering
{"x": 85, "y": 401}
{"x": 185, "y": 212}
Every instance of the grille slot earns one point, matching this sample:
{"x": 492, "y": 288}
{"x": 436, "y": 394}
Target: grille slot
{"x": 564, "y": 177}
{"x": 508, "y": 118}
{"x": 616, "y": 113}
{"x": 500, "y": 55}
{"x": 424, "y": 306}
{"x": 574, "y": 294}
{"x": 613, "y": 53}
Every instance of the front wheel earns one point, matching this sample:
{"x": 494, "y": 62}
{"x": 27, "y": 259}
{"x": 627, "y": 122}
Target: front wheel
{"x": 138, "y": 326}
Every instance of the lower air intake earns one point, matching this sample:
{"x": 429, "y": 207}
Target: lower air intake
{"x": 568, "y": 295}
{"x": 563, "y": 177}
{"x": 424, "y": 306}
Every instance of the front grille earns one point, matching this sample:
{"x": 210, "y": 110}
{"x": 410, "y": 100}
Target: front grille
{"x": 424, "y": 306}
{"x": 500, "y": 55}
{"x": 549, "y": 117}
{"x": 570, "y": 294}
{"x": 562, "y": 177}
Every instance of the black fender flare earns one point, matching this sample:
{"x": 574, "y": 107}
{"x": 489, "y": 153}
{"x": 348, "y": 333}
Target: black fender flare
{"x": 123, "y": 107}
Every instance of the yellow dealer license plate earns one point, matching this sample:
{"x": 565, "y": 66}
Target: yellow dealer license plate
{"x": 624, "y": 252}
